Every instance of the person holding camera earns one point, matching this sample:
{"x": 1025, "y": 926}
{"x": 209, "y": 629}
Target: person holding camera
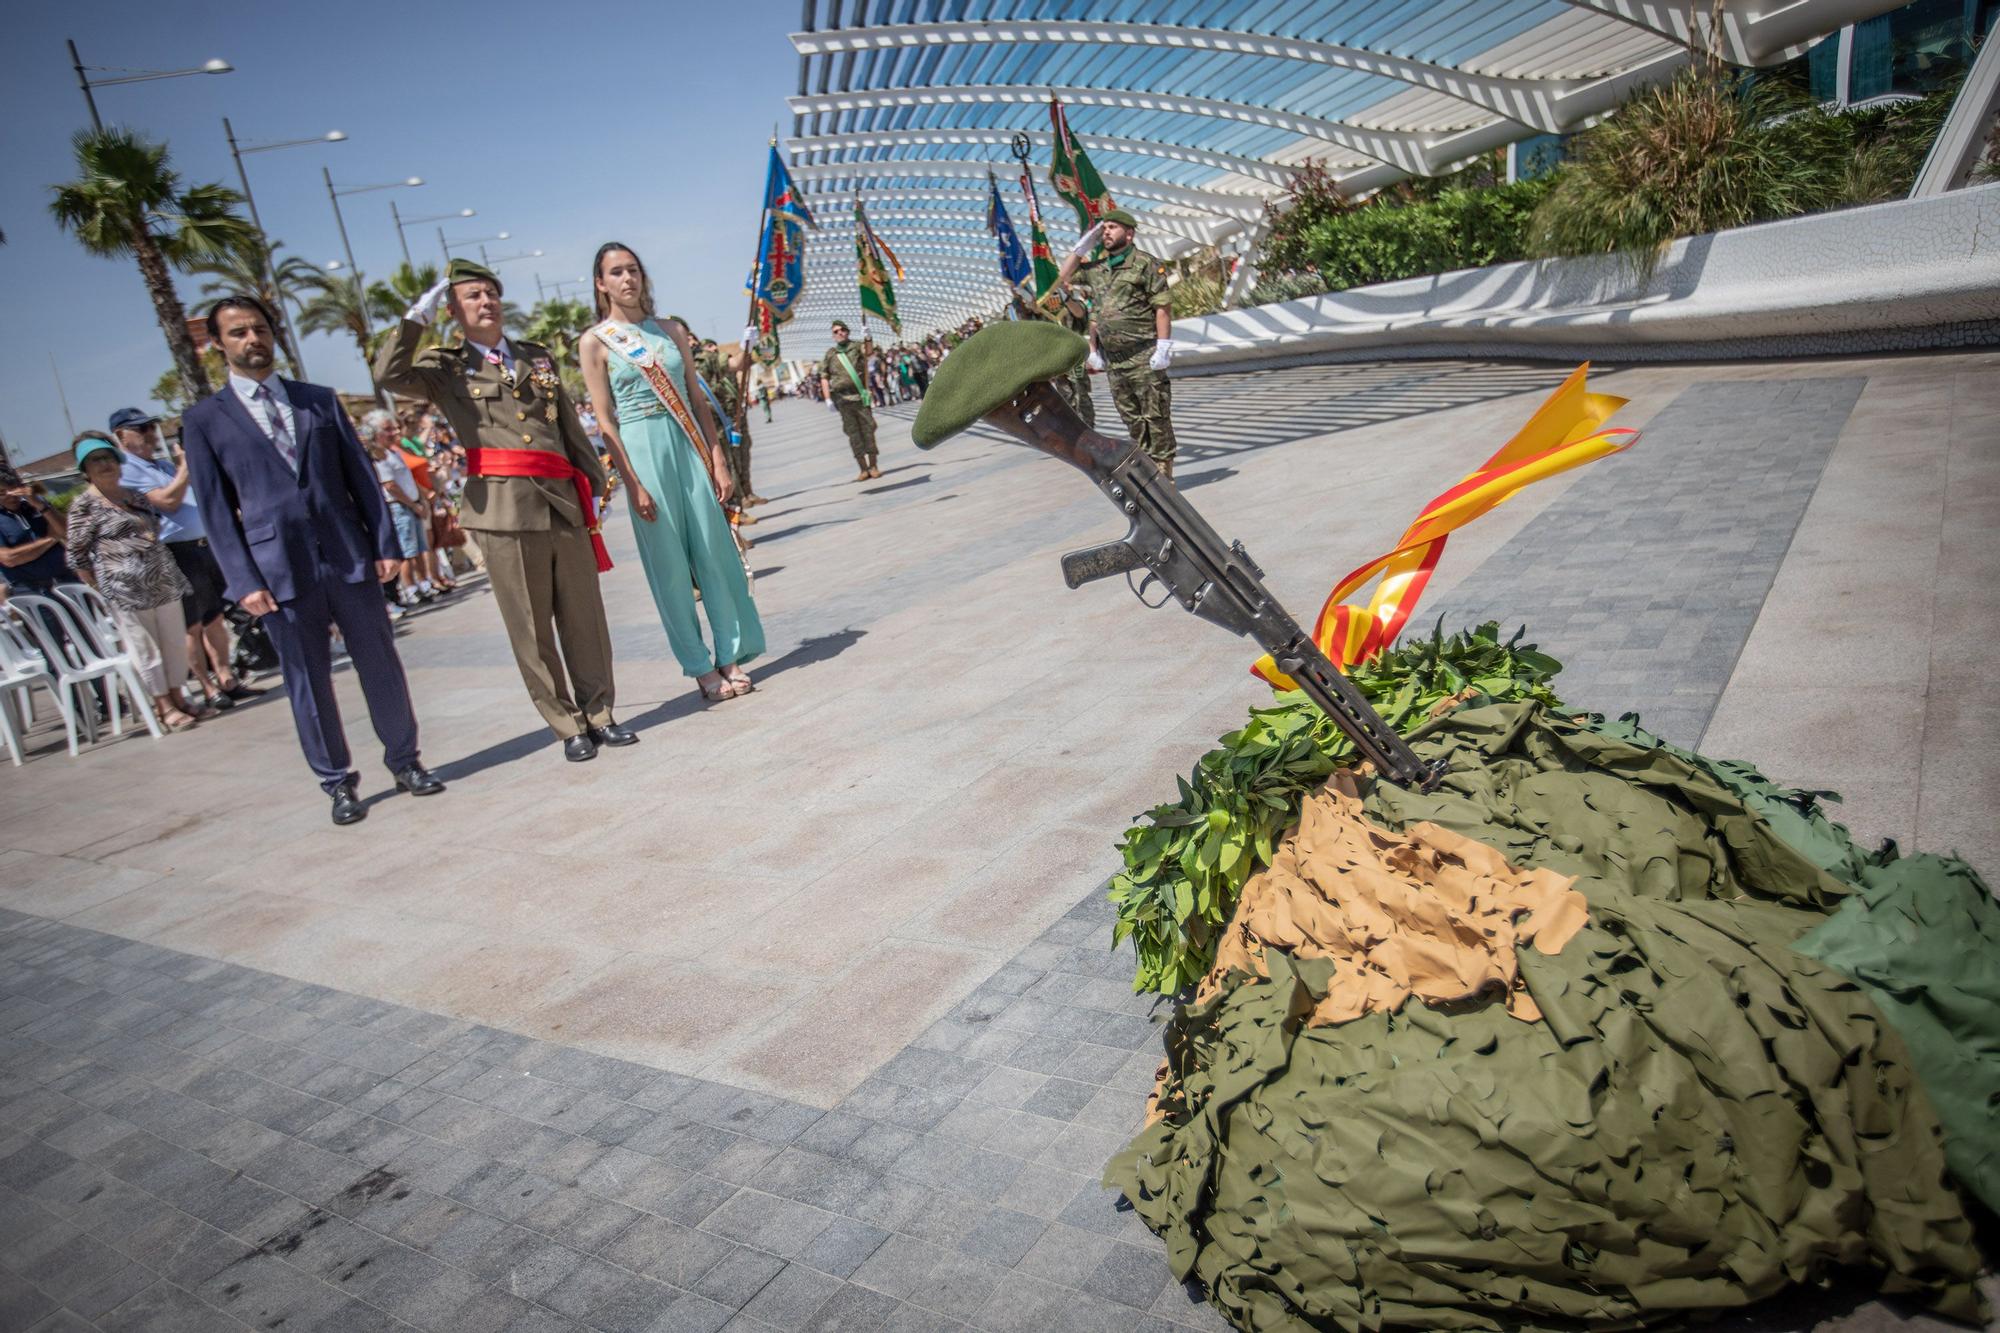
{"x": 31, "y": 538}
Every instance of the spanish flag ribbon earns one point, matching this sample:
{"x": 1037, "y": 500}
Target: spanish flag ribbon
{"x": 1565, "y": 432}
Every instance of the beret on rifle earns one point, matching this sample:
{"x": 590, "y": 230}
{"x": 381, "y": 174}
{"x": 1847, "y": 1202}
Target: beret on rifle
{"x": 464, "y": 270}
{"x": 990, "y": 368}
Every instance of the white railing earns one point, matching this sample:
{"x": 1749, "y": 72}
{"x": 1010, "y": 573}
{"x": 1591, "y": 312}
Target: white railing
{"x": 1911, "y": 273}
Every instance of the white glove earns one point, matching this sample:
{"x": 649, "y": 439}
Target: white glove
{"x": 1163, "y": 354}
{"x": 1086, "y": 242}
{"x": 426, "y": 308}
{"x": 1095, "y": 361}
{"x": 749, "y": 336}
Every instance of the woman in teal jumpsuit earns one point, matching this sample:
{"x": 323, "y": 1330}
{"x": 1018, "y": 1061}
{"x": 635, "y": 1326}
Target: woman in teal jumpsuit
{"x": 673, "y": 484}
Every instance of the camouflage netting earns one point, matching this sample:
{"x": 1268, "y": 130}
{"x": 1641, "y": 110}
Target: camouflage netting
{"x": 1701, "y": 1115}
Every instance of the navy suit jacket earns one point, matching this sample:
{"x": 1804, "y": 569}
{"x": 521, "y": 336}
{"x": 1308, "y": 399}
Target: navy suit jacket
{"x": 272, "y": 529}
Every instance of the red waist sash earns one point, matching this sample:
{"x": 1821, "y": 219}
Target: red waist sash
{"x": 488, "y": 462}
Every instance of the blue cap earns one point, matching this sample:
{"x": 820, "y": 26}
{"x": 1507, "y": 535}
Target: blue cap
{"x": 91, "y": 442}
{"x": 127, "y": 417}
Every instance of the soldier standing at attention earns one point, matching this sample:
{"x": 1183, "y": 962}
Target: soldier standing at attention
{"x": 530, "y": 493}
{"x": 1131, "y": 330}
{"x": 844, "y": 371}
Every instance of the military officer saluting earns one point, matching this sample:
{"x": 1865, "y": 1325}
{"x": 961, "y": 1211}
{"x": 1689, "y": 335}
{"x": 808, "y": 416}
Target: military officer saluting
{"x": 531, "y": 496}
{"x": 844, "y": 370}
{"x": 1131, "y": 330}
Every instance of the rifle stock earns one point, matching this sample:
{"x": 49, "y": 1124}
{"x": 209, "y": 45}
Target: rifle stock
{"x": 1217, "y": 581}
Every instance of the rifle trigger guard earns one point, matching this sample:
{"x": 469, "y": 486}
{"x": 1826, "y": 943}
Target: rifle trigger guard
{"x": 1139, "y": 590}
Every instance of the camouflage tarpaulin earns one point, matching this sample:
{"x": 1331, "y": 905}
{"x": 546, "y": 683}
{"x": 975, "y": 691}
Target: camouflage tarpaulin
{"x": 1702, "y": 1116}
{"x": 1922, "y": 936}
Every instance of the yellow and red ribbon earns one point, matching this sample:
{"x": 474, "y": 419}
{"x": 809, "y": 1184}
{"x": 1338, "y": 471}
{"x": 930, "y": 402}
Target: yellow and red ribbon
{"x": 1565, "y": 432}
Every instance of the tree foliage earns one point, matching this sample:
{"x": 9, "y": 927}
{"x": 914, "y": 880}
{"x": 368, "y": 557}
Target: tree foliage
{"x": 128, "y": 202}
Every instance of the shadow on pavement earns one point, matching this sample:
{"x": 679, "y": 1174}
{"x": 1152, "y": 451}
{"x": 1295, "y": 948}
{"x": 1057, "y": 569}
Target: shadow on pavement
{"x": 1203, "y": 478}
{"x": 505, "y": 752}
{"x": 897, "y": 485}
{"x": 808, "y": 652}
{"x": 762, "y": 538}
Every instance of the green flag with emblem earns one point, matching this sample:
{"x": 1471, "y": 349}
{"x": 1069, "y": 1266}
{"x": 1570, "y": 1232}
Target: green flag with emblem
{"x": 877, "y": 292}
{"x": 1072, "y": 175}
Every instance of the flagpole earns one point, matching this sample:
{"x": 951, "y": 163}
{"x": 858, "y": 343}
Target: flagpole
{"x": 757, "y": 276}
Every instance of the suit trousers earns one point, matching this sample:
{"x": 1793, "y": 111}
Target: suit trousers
{"x": 546, "y": 586}
{"x": 300, "y": 630}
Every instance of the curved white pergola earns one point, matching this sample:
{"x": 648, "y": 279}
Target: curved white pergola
{"x": 913, "y": 113}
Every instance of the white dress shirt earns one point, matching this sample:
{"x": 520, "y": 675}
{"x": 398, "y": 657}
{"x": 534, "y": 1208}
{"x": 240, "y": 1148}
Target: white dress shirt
{"x": 248, "y": 389}
{"x": 505, "y": 352}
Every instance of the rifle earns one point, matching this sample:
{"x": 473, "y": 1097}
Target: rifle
{"x": 1165, "y": 536}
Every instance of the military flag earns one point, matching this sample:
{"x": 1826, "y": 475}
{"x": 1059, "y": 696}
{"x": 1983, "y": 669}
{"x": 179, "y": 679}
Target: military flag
{"x": 1046, "y": 268}
{"x": 1014, "y": 266}
{"x": 1072, "y": 175}
{"x": 877, "y": 292}
{"x": 780, "y": 273}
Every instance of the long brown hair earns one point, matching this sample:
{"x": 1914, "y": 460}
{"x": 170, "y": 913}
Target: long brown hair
{"x": 602, "y": 303}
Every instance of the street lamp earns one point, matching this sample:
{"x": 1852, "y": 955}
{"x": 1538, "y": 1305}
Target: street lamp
{"x": 236, "y": 151}
{"x": 402, "y": 222}
{"x": 543, "y": 289}
{"x": 446, "y": 246}
{"x": 333, "y": 197}
{"x": 508, "y": 259}
{"x": 85, "y": 82}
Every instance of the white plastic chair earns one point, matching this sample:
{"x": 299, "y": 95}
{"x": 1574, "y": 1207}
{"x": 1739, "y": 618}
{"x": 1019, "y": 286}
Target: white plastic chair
{"x": 73, "y": 658}
{"x": 21, "y": 669}
{"x": 100, "y": 631}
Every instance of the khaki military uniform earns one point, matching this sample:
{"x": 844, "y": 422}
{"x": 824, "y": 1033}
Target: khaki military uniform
{"x": 1124, "y": 296}
{"x": 1074, "y": 315}
{"x": 533, "y": 533}
{"x": 857, "y": 414}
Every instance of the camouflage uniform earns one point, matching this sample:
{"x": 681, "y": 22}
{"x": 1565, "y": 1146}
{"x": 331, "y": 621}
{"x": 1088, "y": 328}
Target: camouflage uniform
{"x": 721, "y": 379}
{"x": 1074, "y": 315}
{"x": 1124, "y": 294}
{"x": 857, "y": 416}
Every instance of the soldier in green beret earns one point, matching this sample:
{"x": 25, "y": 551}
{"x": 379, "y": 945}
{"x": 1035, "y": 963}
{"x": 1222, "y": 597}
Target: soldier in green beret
{"x": 1131, "y": 328}
{"x": 845, "y": 371}
{"x": 531, "y": 496}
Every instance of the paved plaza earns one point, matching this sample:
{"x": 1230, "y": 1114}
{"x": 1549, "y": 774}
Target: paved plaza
{"x": 803, "y": 1013}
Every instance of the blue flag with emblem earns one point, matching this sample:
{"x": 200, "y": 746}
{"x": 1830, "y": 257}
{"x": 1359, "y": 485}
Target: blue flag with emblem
{"x": 780, "y": 275}
{"x": 1014, "y": 265}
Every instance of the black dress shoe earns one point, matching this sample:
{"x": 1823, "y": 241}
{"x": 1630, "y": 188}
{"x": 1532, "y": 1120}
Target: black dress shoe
{"x": 221, "y": 703}
{"x": 613, "y": 734}
{"x": 419, "y": 781}
{"x": 579, "y": 748}
{"x": 347, "y": 809}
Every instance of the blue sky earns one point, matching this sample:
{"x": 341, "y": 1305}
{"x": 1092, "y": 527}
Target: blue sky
{"x": 563, "y": 127}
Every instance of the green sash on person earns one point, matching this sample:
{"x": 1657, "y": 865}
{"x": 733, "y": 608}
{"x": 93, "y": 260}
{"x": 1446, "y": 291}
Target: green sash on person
{"x": 848, "y": 366}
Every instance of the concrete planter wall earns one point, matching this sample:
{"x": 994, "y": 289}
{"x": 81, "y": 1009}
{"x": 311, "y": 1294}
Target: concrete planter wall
{"x": 1907, "y": 274}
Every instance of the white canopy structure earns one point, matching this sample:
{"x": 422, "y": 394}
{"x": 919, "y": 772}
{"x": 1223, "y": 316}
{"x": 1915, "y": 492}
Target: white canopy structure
{"x": 1196, "y": 111}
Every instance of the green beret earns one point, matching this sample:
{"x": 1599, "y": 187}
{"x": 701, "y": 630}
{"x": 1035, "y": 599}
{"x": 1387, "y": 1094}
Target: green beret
{"x": 988, "y": 369}
{"x": 1121, "y": 217}
{"x": 841, "y": 324}
{"x": 464, "y": 270}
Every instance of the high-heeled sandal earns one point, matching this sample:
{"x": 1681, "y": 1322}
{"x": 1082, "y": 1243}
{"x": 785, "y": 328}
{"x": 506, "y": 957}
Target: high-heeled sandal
{"x": 715, "y": 696}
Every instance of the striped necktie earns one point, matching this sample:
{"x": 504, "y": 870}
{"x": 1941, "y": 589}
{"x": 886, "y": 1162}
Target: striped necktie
{"x": 274, "y": 425}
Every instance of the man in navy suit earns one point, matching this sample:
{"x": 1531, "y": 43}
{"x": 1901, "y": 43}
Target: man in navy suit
{"x": 298, "y": 523}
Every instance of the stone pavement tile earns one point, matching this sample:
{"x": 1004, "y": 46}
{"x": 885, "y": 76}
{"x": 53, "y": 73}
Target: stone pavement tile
{"x": 159, "y": 1308}
{"x": 843, "y": 1247}
{"x": 793, "y": 1297}
{"x": 1003, "y": 1237}
{"x": 1130, "y": 1276}
{"x": 601, "y": 1296}
{"x": 901, "y": 984}
{"x": 667, "y": 1251}
{"x": 680, "y": 1014}
{"x": 779, "y": 1226}
{"x": 22, "y": 1303}
{"x": 739, "y": 1276}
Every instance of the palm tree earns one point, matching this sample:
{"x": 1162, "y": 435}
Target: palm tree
{"x": 129, "y": 201}
{"x": 336, "y": 306}
{"x": 251, "y": 269}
